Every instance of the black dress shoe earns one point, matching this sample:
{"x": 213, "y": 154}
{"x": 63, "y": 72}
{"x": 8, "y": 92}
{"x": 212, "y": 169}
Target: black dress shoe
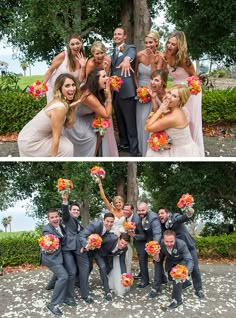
{"x": 70, "y": 302}
{"x": 186, "y": 285}
{"x": 153, "y": 293}
{"x": 175, "y": 304}
{"x": 55, "y": 310}
{"x": 137, "y": 276}
{"x": 142, "y": 285}
{"x": 200, "y": 294}
{"x": 108, "y": 297}
{"x": 89, "y": 300}
{"x": 49, "y": 287}
{"x": 123, "y": 147}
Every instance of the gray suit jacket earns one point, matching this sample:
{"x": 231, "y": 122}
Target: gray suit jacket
{"x": 108, "y": 245}
{"x": 152, "y": 227}
{"x": 128, "y": 88}
{"x": 92, "y": 228}
{"x": 72, "y": 228}
{"x": 176, "y": 224}
{"x": 180, "y": 255}
{"x": 56, "y": 258}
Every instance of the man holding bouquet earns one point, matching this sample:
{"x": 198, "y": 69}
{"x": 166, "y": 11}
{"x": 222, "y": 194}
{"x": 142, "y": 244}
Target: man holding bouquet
{"x": 175, "y": 222}
{"x": 62, "y": 292}
{"x": 176, "y": 252}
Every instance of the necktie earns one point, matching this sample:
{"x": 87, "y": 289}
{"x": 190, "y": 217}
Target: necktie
{"x": 59, "y": 231}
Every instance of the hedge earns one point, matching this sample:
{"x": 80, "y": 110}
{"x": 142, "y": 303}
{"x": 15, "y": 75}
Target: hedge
{"x": 19, "y": 108}
{"x": 25, "y": 248}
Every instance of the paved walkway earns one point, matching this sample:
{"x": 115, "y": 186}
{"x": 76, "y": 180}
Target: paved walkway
{"x": 23, "y": 295}
{"x": 214, "y": 147}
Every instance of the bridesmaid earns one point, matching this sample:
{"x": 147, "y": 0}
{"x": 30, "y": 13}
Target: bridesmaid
{"x": 146, "y": 61}
{"x": 180, "y": 67}
{"x": 42, "y": 136}
{"x": 158, "y": 90}
{"x": 174, "y": 122}
{"x": 70, "y": 61}
{"x": 95, "y": 101}
{"x": 99, "y": 59}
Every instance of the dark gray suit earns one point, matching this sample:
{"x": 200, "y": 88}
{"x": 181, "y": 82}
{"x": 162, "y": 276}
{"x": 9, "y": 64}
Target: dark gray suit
{"x": 124, "y": 102}
{"x": 180, "y": 255}
{"x": 54, "y": 262}
{"x": 106, "y": 252}
{"x": 176, "y": 224}
{"x": 152, "y": 230}
{"x": 87, "y": 257}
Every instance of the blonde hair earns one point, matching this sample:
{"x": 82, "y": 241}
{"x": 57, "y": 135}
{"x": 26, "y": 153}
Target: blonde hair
{"x": 153, "y": 35}
{"x": 184, "y": 93}
{"x": 60, "y": 80}
{"x": 119, "y": 198}
{"x": 182, "y": 52}
{"x": 98, "y": 45}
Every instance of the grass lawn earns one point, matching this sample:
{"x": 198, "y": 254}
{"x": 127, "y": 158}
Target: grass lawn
{"x": 28, "y": 80}
{"x": 12, "y": 234}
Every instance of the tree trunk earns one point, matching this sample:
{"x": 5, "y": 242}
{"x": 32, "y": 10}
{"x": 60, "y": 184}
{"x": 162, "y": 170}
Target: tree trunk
{"x": 84, "y": 207}
{"x": 142, "y": 22}
{"x": 127, "y": 17}
{"x": 5, "y": 226}
{"x": 120, "y": 188}
{"x": 132, "y": 186}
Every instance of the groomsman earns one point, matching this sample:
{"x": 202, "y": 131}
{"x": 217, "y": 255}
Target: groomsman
{"x": 175, "y": 222}
{"x": 139, "y": 237}
{"x": 123, "y": 100}
{"x": 176, "y": 252}
{"x": 152, "y": 229}
{"x": 102, "y": 228}
{"x": 62, "y": 292}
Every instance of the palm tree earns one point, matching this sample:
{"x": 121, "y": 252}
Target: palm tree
{"x": 9, "y": 221}
{"x": 24, "y": 65}
{"x": 5, "y": 222}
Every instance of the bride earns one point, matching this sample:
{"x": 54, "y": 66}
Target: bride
{"x": 117, "y": 210}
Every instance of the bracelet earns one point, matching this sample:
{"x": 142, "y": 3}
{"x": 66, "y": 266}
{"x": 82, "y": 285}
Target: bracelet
{"x": 109, "y": 100}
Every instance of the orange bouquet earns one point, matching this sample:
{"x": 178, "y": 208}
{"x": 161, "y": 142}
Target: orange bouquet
{"x": 159, "y": 141}
{"x": 194, "y": 85}
{"x": 64, "y": 185}
{"x": 49, "y": 243}
{"x": 94, "y": 241}
{"x": 179, "y": 273}
{"x": 129, "y": 226}
{"x": 97, "y": 172}
{"x": 37, "y": 89}
{"x": 115, "y": 82}
{"x": 143, "y": 94}
{"x": 152, "y": 248}
{"x": 127, "y": 279}
{"x": 100, "y": 125}
{"x": 185, "y": 202}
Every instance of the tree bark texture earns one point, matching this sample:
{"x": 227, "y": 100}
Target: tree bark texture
{"x": 142, "y": 23}
{"x": 132, "y": 186}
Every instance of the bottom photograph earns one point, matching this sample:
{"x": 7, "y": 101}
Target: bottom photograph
{"x": 117, "y": 239}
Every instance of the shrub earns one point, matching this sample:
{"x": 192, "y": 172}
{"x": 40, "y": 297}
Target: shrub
{"x": 17, "y": 109}
{"x": 10, "y": 83}
{"x": 219, "y": 106}
{"x": 19, "y": 250}
{"x": 217, "y": 246}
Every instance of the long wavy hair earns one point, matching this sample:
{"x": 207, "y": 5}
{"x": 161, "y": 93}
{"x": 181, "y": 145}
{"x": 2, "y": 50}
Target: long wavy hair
{"x": 57, "y": 92}
{"x": 72, "y": 64}
{"x": 92, "y": 85}
{"x": 182, "y": 52}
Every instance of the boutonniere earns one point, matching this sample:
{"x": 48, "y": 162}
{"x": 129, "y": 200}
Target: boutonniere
{"x": 122, "y": 48}
{"x": 174, "y": 251}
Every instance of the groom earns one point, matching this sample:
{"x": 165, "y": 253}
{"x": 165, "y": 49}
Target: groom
{"x": 123, "y": 100}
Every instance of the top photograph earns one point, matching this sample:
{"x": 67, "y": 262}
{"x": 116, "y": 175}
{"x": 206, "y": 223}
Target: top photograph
{"x": 118, "y": 79}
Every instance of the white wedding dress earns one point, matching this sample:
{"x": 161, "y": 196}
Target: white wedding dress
{"x": 114, "y": 276}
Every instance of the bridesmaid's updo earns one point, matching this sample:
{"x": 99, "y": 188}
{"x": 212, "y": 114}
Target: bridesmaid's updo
{"x": 99, "y": 46}
{"x": 153, "y": 35}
